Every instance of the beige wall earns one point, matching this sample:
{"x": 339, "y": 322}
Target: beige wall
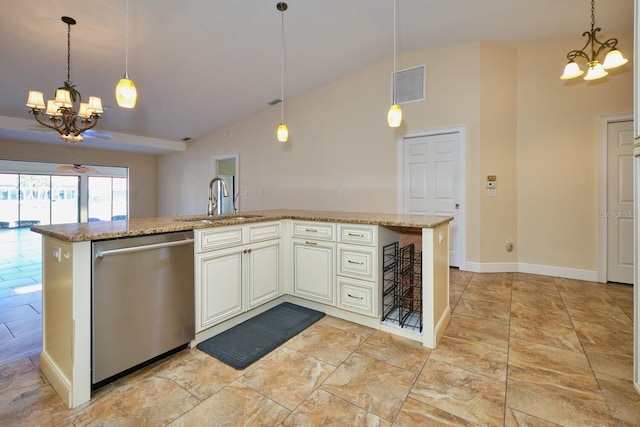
{"x": 339, "y": 140}
{"x": 557, "y": 156}
{"x": 537, "y": 134}
{"x": 498, "y": 146}
{"x": 142, "y": 168}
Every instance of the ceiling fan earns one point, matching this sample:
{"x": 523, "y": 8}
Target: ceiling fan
{"x": 76, "y": 168}
{"x": 91, "y": 133}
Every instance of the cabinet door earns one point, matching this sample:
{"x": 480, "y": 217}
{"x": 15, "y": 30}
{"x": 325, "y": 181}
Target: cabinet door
{"x": 263, "y": 275}
{"x": 219, "y": 275}
{"x": 314, "y": 272}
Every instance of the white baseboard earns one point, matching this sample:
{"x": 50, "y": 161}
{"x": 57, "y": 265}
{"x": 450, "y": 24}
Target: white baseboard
{"x": 544, "y": 270}
{"x": 57, "y": 379}
{"x": 568, "y": 273}
{"x": 492, "y": 267}
{"x": 442, "y": 325}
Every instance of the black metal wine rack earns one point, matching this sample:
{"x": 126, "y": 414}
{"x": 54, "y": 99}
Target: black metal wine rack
{"x": 402, "y": 286}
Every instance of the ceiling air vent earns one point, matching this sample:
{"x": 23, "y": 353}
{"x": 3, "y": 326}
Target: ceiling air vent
{"x": 410, "y": 85}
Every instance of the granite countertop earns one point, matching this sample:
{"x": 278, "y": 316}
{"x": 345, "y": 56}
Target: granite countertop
{"x": 101, "y": 230}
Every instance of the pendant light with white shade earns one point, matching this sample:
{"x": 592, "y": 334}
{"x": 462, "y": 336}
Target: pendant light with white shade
{"x": 591, "y": 52}
{"x": 394, "y": 116}
{"x": 126, "y": 93}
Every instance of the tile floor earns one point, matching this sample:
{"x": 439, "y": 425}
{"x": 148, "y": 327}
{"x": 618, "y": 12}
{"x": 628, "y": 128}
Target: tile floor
{"x": 20, "y": 294}
{"x": 520, "y": 350}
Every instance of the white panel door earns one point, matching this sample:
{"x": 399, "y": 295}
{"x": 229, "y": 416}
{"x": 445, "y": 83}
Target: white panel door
{"x": 431, "y": 181}
{"x": 620, "y": 202}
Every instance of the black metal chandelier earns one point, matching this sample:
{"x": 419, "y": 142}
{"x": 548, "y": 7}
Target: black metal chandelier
{"x": 63, "y": 119}
{"x": 590, "y": 52}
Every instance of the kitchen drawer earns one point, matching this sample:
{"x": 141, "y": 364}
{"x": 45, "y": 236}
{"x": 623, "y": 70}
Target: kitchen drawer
{"x": 357, "y": 296}
{"x": 357, "y": 261}
{"x": 357, "y": 234}
{"x": 264, "y": 231}
{"x": 314, "y": 230}
{"x": 218, "y": 237}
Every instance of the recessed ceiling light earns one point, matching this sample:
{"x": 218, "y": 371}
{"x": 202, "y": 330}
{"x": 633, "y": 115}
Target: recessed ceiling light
{"x": 186, "y": 138}
{"x": 275, "y": 101}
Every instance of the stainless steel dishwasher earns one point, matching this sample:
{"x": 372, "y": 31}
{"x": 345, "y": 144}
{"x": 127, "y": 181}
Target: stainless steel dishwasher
{"x": 142, "y": 301}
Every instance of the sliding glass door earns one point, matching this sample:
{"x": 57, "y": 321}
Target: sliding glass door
{"x": 45, "y": 197}
{"x": 27, "y": 200}
{"x": 107, "y": 198}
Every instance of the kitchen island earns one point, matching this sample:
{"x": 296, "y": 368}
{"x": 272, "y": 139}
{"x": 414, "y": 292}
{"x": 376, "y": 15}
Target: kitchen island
{"x": 67, "y": 259}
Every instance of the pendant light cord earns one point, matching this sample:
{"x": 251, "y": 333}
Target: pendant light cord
{"x": 69, "y": 54}
{"x": 126, "y": 41}
{"x": 394, "y": 52}
{"x": 282, "y": 70}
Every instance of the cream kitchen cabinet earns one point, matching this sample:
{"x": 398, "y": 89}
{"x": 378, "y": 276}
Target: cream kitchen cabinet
{"x": 313, "y": 252}
{"x": 237, "y": 268}
{"x": 357, "y": 278}
{"x": 218, "y": 275}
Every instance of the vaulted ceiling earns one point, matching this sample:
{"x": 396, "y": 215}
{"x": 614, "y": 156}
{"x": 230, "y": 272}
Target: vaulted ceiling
{"x": 201, "y": 65}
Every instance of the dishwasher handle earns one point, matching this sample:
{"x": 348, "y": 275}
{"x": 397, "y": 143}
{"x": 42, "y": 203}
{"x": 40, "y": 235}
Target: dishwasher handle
{"x": 100, "y": 253}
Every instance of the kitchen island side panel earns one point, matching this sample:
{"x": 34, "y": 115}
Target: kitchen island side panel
{"x": 66, "y": 318}
{"x": 435, "y": 283}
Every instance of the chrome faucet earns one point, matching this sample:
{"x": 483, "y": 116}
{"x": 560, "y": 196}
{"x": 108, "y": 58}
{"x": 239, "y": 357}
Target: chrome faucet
{"x": 214, "y": 205}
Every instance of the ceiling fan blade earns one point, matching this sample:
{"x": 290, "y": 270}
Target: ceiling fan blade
{"x": 96, "y": 134}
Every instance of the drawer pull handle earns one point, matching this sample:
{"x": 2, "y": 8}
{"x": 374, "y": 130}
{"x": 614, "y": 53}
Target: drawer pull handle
{"x": 311, "y": 230}
{"x": 310, "y": 243}
{"x": 355, "y": 234}
{"x": 354, "y": 262}
{"x": 353, "y": 296}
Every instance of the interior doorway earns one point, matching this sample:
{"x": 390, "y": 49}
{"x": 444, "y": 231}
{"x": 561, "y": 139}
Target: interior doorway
{"x": 432, "y": 176}
{"x": 615, "y": 198}
{"x": 226, "y": 167}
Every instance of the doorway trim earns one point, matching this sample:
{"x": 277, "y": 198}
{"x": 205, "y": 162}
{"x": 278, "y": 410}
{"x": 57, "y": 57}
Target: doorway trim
{"x": 215, "y": 172}
{"x": 461, "y": 130}
{"x": 601, "y": 173}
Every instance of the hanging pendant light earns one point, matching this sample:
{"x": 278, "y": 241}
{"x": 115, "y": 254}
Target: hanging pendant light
{"x": 596, "y": 70}
{"x": 282, "y": 133}
{"x": 126, "y": 93}
{"x": 394, "y": 116}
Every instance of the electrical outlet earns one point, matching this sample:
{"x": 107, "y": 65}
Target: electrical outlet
{"x": 509, "y": 244}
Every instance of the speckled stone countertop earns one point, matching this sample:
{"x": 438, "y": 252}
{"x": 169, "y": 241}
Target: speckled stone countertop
{"x": 101, "y": 230}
